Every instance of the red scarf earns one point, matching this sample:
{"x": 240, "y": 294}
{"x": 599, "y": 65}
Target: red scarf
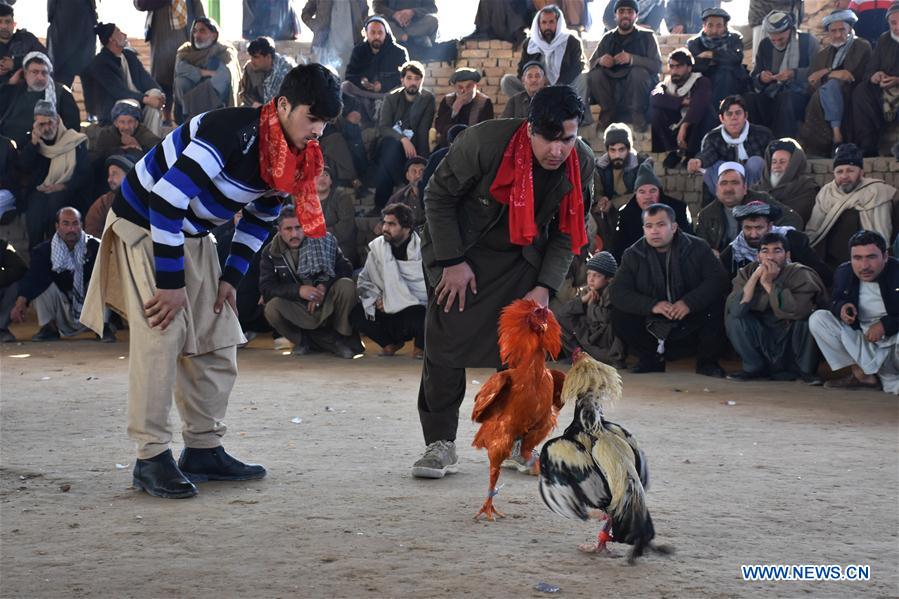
{"x": 286, "y": 169}
{"x": 514, "y": 186}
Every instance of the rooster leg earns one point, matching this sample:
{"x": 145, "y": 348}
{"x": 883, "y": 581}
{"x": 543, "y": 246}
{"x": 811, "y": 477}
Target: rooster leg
{"x": 487, "y": 509}
{"x": 602, "y": 538}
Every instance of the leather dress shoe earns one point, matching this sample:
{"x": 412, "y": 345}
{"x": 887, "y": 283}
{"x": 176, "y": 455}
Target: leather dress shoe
{"x": 712, "y": 369}
{"x": 160, "y": 477}
{"x": 203, "y": 464}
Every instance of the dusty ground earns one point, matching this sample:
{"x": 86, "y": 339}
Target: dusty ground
{"x": 790, "y": 474}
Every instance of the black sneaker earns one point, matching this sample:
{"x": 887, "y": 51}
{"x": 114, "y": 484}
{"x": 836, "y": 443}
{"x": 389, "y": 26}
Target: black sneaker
{"x": 48, "y": 332}
{"x": 743, "y": 375}
{"x": 202, "y": 464}
{"x": 784, "y": 376}
{"x": 712, "y": 369}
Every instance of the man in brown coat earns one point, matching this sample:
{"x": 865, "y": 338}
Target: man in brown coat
{"x": 785, "y": 177}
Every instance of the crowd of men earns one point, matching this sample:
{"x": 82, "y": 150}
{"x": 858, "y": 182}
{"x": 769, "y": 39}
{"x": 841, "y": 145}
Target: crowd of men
{"x": 768, "y": 249}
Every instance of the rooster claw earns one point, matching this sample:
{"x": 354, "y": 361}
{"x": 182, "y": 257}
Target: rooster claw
{"x": 597, "y": 548}
{"x": 490, "y": 512}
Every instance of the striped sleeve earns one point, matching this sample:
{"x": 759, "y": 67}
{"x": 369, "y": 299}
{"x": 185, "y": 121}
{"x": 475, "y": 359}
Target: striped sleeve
{"x": 169, "y": 199}
{"x": 251, "y": 232}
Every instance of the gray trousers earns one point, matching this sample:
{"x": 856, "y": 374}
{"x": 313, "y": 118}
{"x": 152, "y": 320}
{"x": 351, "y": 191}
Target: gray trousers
{"x": 53, "y": 306}
{"x": 831, "y": 97}
{"x": 766, "y": 343}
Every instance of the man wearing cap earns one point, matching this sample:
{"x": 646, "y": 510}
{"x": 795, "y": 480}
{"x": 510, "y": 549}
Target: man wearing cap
{"x": 374, "y": 68}
{"x": 117, "y": 168}
{"x": 716, "y": 222}
{"x": 680, "y": 110}
{"x": 766, "y": 315}
{"x": 33, "y": 82}
{"x": 57, "y": 166}
{"x": 780, "y": 75}
{"x": 718, "y": 52}
{"x": 586, "y": 320}
{"x": 647, "y": 191}
{"x": 554, "y": 46}
{"x": 624, "y": 68}
{"x": 759, "y": 9}
{"x": 126, "y": 134}
{"x": 465, "y": 106}
{"x": 687, "y": 16}
{"x": 206, "y": 72}
{"x": 786, "y": 177}
{"x": 409, "y": 194}
{"x": 405, "y": 123}
{"x": 14, "y": 43}
{"x": 875, "y": 100}
{"x": 755, "y": 220}
{"x": 263, "y": 73}
{"x": 116, "y": 73}
{"x": 835, "y": 71}
{"x": 848, "y": 203}
{"x": 533, "y": 79}
{"x": 650, "y": 14}
{"x": 413, "y": 21}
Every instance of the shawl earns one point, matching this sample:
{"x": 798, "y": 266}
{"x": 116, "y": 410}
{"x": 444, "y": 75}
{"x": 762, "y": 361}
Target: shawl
{"x": 872, "y": 199}
{"x": 399, "y": 283}
{"x": 552, "y": 51}
{"x": 743, "y": 252}
{"x": 737, "y": 141}
{"x": 61, "y": 154}
{"x": 62, "y": 259}
{"x": 226, "y": 54}
{"x": 50, "y": 90}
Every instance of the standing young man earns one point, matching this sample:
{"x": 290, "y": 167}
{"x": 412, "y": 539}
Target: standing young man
{"x": 160, "y": 270}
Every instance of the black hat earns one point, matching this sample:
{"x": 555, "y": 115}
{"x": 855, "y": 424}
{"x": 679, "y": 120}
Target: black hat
{"x": 465, "y": 74}
{"x": 604, "y": 263}
{"x": 646, "y": 175}
{"x": 533, "y": 63}
{"x": 757, "y": 208}
{"x": 618, "y": 133}
{"x": 848, "y": 154}
{"x": 785, "y": 143}
{"x": 126, "y": 163}
{"x": 715, "y": 12}
{"x": 104, "y": 31}
{"x": 627, "y": 4}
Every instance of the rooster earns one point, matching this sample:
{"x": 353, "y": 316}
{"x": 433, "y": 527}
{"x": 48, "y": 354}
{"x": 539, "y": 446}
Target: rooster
{"x": 523, "y": 401}
{"x": 595, "y": 468}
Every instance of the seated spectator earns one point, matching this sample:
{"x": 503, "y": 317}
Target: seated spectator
{"x": 409, "y": 195}
{"x": 414, "y": 22}
{"x": 126, "y": 135}
{"x": 718, "y": 52}
{"x": 680, "y": 110}
{"x": 270, "y": 18}
{"x": 57, "y": 278}
{"x": 649, "y": 14}
{"x": 15, "y": 44}
{"x": 12, "y": 269}
{"x": 18, "y": 96}
{"x": 504, "y": 21}
{"x": 861, "y": 330}
{"x": 465, "y": 106}
{"x": 872, "y": 17}
{"x": 336, "y": 28}
{"x": 374, "y": 68}
{"x": 391, "y": 286}
{"x": 554, "y": 46}
{"x": 848, "y": 203}
{"x": 785, "y": 178}
{"x": 206, "y": 72}
{"x": 587, "y": 318}
{"x": 117, "y": 167}
{"x": 647, "y": 191}
{"x": 780, "y": 75}
{"x": 116, "y": 73}
{"x": 875, "y": 99}
{"x": 734, "y": 140}
{"x": 437, "y": 155}
{"x": 576, "y": 12}
{"x": 57, "y": 168}
{"x": 716, "y": 223}
{"x": 263, "y": 73}
{"x": 686, "y": 16}
{"x": 834, "y": 73}
{"x": 533, "y": 79}
{"x": 668, "y": 297}
{"x": 614, "y": 179}
{"x": 307, "y": 290}
{"x": 623, "y": 69}
{"x": 405, "y": 123}
{"x": 766, "y": 315}
{"x": 339, "y": 213}
{"x": 756, "y": 220}
{"x": 343, "y": 144}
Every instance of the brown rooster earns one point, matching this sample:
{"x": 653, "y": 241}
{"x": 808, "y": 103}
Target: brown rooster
{"x": 523, "y": 401}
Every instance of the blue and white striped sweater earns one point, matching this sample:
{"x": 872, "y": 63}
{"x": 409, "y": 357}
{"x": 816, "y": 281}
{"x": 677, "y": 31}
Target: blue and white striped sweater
{"x": 197, "y": 178}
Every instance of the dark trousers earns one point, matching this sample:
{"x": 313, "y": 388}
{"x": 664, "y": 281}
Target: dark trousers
{"x": 782, "y": 114}
{"x": 867, "y": 116}
{"x": 440, "y": 394}
{"x": 664, "y": 139}
{"x": 702, "y": 333}
{"x": 391, "y": 329}
{"x": 391, "y": 158}
{"x": 624, "y": 99}
{"x": 728, "y": 81}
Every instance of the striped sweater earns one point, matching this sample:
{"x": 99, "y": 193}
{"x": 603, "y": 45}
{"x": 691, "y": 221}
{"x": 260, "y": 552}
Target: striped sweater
{"x": 197, "y": 178}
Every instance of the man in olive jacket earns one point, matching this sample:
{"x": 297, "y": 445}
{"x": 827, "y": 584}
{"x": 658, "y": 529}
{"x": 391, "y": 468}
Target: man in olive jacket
{"x": 477, "y": 260}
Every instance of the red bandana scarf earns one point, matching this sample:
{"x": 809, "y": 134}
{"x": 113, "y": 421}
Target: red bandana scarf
{"x": 288, "y": 170}
{"x": 514, "y": 186}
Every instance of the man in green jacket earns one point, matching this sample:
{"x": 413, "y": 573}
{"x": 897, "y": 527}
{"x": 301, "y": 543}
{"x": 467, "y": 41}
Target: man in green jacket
{"x": 481, "y": 251}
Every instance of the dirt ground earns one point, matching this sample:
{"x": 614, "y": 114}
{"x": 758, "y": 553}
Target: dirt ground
{"x": 787, "y": 475}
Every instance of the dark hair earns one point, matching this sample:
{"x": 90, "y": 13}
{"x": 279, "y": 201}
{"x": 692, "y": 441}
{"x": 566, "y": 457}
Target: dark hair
{"x": 6, "y": 10}
{"x": 865, "y": 237}
{"x": 551, "y": 107}
{"x": 262, "y": 45}
{"x": 729, "y": 101}
{"x": 414, "y": 66}
{"x": 314, "y": 86}
{"x": 681, "y": 56}
{"x": 553, "y": 9}
{"x": 287, "y": 211}
{"x": 654, "y": 209}
{"x": 402, "y": 213}
{"x": 772, "y": 237}
{"x": 65, "y": 208}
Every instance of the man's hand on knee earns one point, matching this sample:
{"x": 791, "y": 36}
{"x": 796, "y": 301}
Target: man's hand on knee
{"x": 162, "y": 308}
{"x": 226, "y": 294}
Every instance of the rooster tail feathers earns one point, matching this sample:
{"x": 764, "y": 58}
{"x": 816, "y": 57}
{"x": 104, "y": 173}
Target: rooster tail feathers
{"x": 631, "y": 522}
{"x": 589, "y": 374}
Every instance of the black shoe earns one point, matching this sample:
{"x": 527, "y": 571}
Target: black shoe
{"x": 108, "y": 336}
{"x": 302, "y": 348}
{"x": 645, "y": 365}
{"x": 784, "y": 376}
{"x": 711, "y": 369}
{"x": 743, "y": 375}
{"x": 200, "y": 465}
{"x": 6, "y": 336}
{"x": 48, "y": 332}
{"x": 672, "y": 160}
{"x": 160, "y": 477}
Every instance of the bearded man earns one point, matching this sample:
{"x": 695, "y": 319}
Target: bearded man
{"x": 206, "y": 72}
{"x": 786, "y": 177}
